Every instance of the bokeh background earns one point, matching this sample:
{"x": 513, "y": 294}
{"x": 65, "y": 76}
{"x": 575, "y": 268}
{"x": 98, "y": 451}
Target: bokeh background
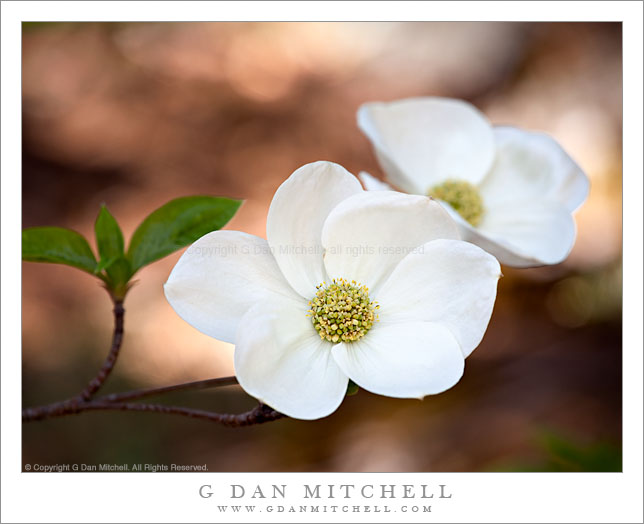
{"x": 135, "y": 114}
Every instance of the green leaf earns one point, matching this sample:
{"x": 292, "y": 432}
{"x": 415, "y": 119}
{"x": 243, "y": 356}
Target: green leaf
{"x": 109, "y": 240}
{"x": 352, "y": 388}
{"x": 57, "y": 245}
{"x": 104, "y": 264}
{"x": 177, "y": 224}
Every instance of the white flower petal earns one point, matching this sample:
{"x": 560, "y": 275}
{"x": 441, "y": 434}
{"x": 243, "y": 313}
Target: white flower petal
{"x": 421, "y": 142}
{"x": 371, "y": 183}
{"x": 525, "y": 234}
{"x": 448, "y": 282}
{"x": 532, "y": 166}
{"x": 470, "y": 234}
{"x": 406, "y": 360}
{"x": 505, "y": 255}
{"x": 298, "y": 211}
{"x": 220, "y": 277}
{"x": 368, "y": 234}
{"x": 281, "y": 361}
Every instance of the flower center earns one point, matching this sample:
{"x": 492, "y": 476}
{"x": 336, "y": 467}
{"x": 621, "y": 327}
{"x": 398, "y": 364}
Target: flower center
{"x": 463, "y": 197}
{"x": 342, "y": 311}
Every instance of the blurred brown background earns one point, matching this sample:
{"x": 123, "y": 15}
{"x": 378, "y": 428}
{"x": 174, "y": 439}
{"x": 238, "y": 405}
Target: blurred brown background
{"x": 134, "y": 114}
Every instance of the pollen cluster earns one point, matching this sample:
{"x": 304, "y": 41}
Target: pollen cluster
{"x": 342, "y": 311}
{"x": 463, "y": 197}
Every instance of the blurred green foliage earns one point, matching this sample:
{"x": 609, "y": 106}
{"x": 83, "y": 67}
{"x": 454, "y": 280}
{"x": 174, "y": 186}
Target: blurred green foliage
{"x": 589, "y": 297}
{"x": 567, "y": 454}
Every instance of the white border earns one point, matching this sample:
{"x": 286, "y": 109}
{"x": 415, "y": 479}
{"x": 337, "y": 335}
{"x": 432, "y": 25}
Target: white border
{"x": 173, "y": 497}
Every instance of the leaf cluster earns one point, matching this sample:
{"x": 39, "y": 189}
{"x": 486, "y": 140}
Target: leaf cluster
{"x": 166, "y": 230}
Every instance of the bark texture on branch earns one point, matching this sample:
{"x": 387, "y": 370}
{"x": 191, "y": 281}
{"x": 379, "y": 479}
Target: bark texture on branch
{"x": 85, "y": 400}
{"x": 117, "y": 340}
{"x": 258, "y": 415}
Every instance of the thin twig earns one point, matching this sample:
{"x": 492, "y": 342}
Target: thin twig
{"x": 258, "y": 415}
{"x": 70, "y": 406}
{"x": 116, "y": 401}
{"x": 199, "y": 384}
{"x": 117, "y": 339}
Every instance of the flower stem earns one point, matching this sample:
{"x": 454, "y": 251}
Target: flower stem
{"x": 117, "y": 340}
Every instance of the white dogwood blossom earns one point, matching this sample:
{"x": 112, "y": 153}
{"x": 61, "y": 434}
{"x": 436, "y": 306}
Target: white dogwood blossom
{"x": 375, "y": 287}
{"x": 512, "y": 192}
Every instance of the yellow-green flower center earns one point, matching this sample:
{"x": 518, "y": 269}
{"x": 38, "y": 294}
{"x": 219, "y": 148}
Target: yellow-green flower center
{"x": 342, "y": 311}
{"x": 463, "y": 197}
